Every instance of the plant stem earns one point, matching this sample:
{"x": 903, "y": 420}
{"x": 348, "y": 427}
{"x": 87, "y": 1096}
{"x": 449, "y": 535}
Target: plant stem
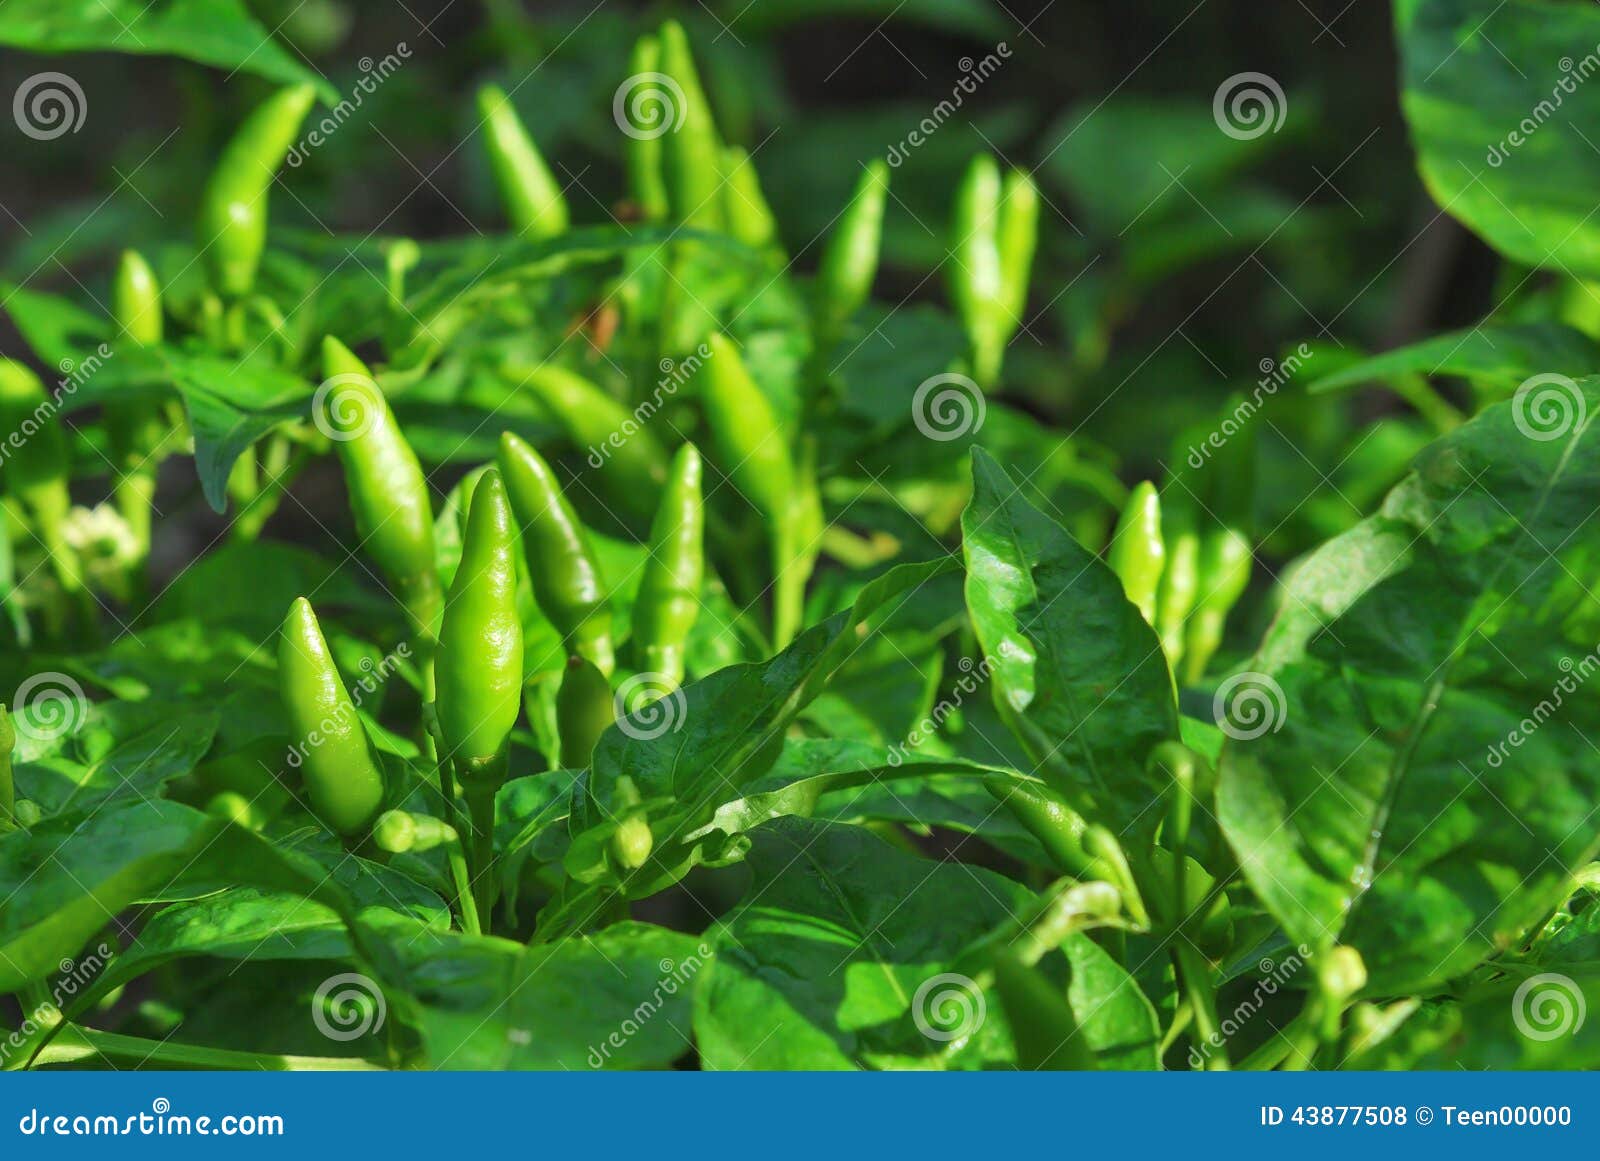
{"x": 1195, "y": 979}
{"x": 462, "y": 878}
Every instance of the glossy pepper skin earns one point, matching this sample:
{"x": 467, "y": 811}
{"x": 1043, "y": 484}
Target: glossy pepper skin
{"x": 342, "y": 776}
{"x": 1224, "y": 574}
{"x": 692, "y": 153}
{"x": 585, "y": 709}
{"x": 136, "y": 427}
{"x": 630, "y": 474}
{"x": 850, "y": 262}
{"x": 977, "y": 286}
{"x": 1056, "y": 826}
{"x": 389, "y": 495}
{"x": 1137, "y": 553}
{"x": 37, "y": 472}
{"x": 1017, "y": 236}
{"x": 745, "y": 431}
{"x": 232, "y": 217}
{"x": 1180, "y": 580}
{"x": 561, "y": 564}
{"x": 647, "y": 107}
{"x": 478, "y": 666}
{"x": 532, "y": 196}
{"x": 669, "y": 592}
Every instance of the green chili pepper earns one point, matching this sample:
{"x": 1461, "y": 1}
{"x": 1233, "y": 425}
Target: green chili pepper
{"x": 1180, "y": 580}
{"x": 233, "y": 207}
{"x": 632, "y": 841}
{"x": 1179, "y": 767}
{"x": 850, "y": 261}
{"x": 8, "y": 790}
{"x": 531, "y": 194}
{"x": 585, "y": 709}
{"x": 1017, "y": 237}
{"x": 1225, "y": 562}
{"x": 342, "y": 776}
{"x": 1056, "y": 826}
{"x": 1043, "y": 1026}
{"x": 561, "y": 565}
{"x": 749, "y": 217}
{"x": 1137, "y": 553}
{"x": 478, "y": 667}
{"x": 388, "y": 493}
{"x": 37, "y": 471}
{"x": 136, "y": 427}
{"x": 629, "y": 462}
{"x": 692, "y": 154}
{"x": 649, "y": 110}
{"x": 977, "y": 285}
{"x": 669, "y": 592}
{"x": 400, "y": 832}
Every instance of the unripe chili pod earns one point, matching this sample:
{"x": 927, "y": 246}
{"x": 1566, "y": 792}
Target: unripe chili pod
{"x": 389, "y": 495}
{"x": 400, "y": 832}
{"x": 136, "y": 300}
{"x": 1055, "y": 825}
{"x": 585, "y": 709}
{"x": 1180, "y": 581}
{"x": 561, "y": 564}
{"x": 629, "y": 462}
{"x": 136, "y": 427}
{"x": 669, "y": 592}
{"x": 744, "y": 205}
{"x": 649, "y": 110}
{"x": 36, "y": 472}
{"x": 1225, "y": 563}
{"x": 1017, "y": 236}
{"x": 1137, "y": 553}
{"x": 850, "y": 261}
{"x": 632, "y": 841}
{"x": 342, "y": 775}
{"x": 478, "y": 667}
{"x": 232, "y": 217}
{"x": 977, "y": 284}
{"x": 745, "y": 430}
{"x": 532, "y": 196}
{"x": 691, "y": 152}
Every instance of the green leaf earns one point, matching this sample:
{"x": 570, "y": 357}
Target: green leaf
{"x": 1116, "y": 1018}
{"x": 220, "y": 33}
{"x": 1477, "y": 76}
{"x": 1409, "y": 770}
{"x": 836, "y": 955}
{"x": 1500, "y": 357}
{"x": 1077, "y": 673}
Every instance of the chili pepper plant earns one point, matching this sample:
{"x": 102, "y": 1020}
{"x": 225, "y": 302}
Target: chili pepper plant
{"x": 708, "y": 660}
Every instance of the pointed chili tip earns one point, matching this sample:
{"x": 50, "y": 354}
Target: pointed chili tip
{"x": 689, "y": 464}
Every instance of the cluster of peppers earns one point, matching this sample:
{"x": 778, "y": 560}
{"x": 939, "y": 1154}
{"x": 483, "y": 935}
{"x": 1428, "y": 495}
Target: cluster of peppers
{"x": 473, "y": 661}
